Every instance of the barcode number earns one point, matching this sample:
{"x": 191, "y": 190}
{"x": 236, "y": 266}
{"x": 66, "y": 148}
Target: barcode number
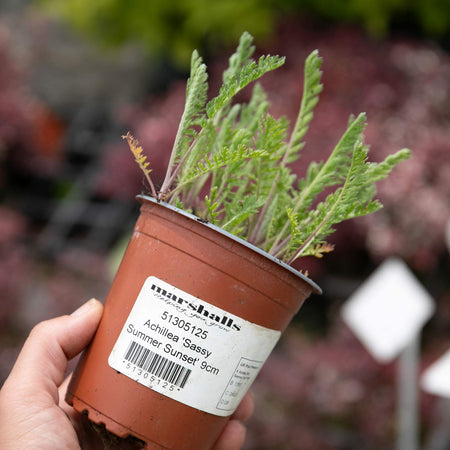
{"x": 157, "y": 365}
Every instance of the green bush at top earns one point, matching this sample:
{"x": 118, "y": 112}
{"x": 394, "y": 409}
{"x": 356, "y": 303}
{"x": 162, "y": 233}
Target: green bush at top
{"x": 175, "y": 27}
{"x": 172, "y": 27}
{"x": 378, "y": 17}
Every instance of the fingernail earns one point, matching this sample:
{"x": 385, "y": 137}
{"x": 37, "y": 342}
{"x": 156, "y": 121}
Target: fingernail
{"x": 83, "y": 309}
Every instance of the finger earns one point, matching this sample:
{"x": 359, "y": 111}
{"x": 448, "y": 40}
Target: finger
{"x": 88, "y": 438}
{"x": 71, "y": 413}
{"x": 245, "y": 409}
{"x": 232, "y": 437}
{"x": 49, "y": 347}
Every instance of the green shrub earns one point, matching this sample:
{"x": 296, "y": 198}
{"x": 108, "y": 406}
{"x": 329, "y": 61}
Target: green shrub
{"x": 173, "y": 27}
{"x": 176, "y": 27}
{"x": 427, "y": 17}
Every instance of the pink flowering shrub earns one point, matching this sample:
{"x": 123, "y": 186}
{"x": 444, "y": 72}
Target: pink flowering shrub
{"x": 156, "y": 123}
{"x": 14, "y": 263}
{"x": 14, "y": 112}
{"x": 15, "y": 120}
{"x": 29, "y": 138}
{"x": 326, "y": 394}
{"x": 30, "y": 134}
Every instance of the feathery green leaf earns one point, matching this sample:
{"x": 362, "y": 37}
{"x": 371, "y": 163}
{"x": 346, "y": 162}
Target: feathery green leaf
{"x": 230, "y": 162}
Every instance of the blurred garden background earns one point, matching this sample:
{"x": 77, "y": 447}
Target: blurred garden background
{"x": 76, "y": 75}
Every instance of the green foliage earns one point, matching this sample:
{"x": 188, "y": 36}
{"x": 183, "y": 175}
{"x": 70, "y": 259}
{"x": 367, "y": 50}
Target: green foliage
{"x": 311, "y": 90}
{"x": 172, "y": 28}
{"x": 429, "y": 17}
{"x": 230, "y": 163}
{"x": 175, "y": 27}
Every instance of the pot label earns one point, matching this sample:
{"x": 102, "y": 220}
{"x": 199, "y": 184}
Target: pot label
{"x": 190, "y": 350}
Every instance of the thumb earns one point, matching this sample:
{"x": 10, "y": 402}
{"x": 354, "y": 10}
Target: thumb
{"x": 42, "y": 363}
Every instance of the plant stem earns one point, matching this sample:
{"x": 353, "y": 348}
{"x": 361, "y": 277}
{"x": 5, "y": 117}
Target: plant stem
{"x": 318, "y": 177}
{"x": 278, "y": 251}
{"x": 140, "y": 159}
{"x": 152, "y": 186}
{"x": 311, "y": 237}
{"x": 179, "y": 166}
{"x": 292, "y": 141}
{"x": 309, "y": 240}
{"x": 256, "y": 231}
{"x": 168, "y": 177}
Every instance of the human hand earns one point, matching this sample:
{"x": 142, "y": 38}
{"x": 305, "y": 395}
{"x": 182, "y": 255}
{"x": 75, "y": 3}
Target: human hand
{"x": 33, "y": 414}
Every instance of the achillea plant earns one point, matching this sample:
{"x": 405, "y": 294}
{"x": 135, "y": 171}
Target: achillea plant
{"x": 230, "y": 162}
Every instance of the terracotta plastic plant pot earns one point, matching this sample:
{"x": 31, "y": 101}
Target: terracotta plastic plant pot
{"x": 191, "y": 316}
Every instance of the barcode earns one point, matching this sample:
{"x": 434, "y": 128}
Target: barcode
{"x": 157, "y": 365}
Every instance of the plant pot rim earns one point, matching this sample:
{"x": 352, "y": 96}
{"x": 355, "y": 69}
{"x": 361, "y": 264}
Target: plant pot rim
{"x": 146, "y": 198}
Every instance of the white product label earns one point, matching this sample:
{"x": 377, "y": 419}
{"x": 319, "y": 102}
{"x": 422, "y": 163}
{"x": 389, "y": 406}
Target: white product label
{"x": 189, "y": 350}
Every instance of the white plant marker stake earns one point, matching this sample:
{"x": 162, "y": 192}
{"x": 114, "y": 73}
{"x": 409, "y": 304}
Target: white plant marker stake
{"x": 436, "y": 381}
{"x": 387, "y": 313}
{"x": 407, "y": 396}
